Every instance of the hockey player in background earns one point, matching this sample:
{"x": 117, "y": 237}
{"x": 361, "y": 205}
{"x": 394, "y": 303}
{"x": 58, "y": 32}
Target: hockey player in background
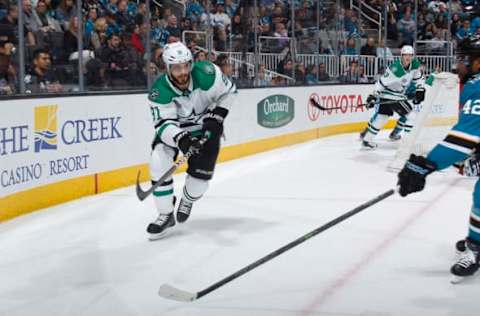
{"x": 188, "y": 104}
{"x": 458, "y": 145}
{"x": 390, "y": 96}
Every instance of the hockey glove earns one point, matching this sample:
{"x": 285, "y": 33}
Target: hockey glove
{"x": 412, "y": 177}
{"x": 371, "y": 100}
{"x": 213, "y": 122}
{"x": 471, "y": 166}
{"x": 419, "y": 96}
{"x": 187, "y": 143}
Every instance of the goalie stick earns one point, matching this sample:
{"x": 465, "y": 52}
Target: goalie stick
{"x": 170, "y": 292}
{"x": 142, "y": 195}
{"x": 318, "y": 106}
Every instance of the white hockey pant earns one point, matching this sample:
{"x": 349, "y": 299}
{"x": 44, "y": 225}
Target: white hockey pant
{"x": 161, "y": 161}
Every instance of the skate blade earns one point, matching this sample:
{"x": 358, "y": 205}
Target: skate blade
{"x": 364, "y": 148}
{"x": 457, "y": 279}
{"x": 153, "y": 237}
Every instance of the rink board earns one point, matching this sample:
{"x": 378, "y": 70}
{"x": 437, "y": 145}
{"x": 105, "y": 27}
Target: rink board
{"x": 53, "y": 150}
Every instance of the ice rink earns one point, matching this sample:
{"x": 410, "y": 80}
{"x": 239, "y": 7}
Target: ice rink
{"x": 92, "y": 256}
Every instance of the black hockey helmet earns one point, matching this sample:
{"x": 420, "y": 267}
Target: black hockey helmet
{"x": 469, "y": 47}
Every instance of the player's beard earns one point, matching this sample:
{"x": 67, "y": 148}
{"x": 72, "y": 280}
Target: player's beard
{"x": 181, "y": 81}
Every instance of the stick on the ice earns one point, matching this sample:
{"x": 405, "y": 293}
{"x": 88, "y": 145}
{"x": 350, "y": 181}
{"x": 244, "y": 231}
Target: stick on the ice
{"x": 142, "y": 195}
{"x": 173, "y": 293}
{"x": 320, "y": 107}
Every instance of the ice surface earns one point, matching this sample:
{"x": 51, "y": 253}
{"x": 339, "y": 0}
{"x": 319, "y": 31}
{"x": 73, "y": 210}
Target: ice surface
{"x": 92, "y": 256}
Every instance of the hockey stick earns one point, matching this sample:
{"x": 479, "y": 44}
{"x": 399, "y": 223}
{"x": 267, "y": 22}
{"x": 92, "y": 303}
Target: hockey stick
{"x": 142, "y": 195}
{"x": 173, "y": 293}
{"x": 318, "y": 106}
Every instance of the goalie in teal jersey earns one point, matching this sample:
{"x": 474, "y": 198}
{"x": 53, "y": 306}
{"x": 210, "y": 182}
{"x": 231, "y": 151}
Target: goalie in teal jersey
{"x": 460, "y": 144}
{"x": 189, "y": 105}
{"x": 390, "y": 96}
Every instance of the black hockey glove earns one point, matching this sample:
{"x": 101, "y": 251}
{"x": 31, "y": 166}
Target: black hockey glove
{"x": 471, "y": 166}
{"x": 371, "y": 100}
{"x": 419, "y": 96}
{"x": 187, "y": 143}
{"x": 412, "y": 177}
{"x": 213, "y": 122}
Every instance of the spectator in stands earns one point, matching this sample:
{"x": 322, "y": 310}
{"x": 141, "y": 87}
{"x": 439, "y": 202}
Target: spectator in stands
{"x": 322, "y": 73}
{"x": 138, "y": 38}
{"x": 464, "y": 31}
{"x": 99, "y": 35}
{"x": 64, "y": 12}
{"x": 220, "y": 18}
{"x": 114, "y": 56}
{"x": 350, "y": 48}
{"x": 285, "y": 67}
{"x": 158, "y": 34}
{"x": 455, "y": 7}
{"x": 384, "y": 51}
{"x": 172, "y": 27}
{"x": 351, "y": 24}
{"x": 230, "y": 8}
{"x": 70, "y": 41}
{"x": 7, "y": 70}
{"x": 200, "y": 56}
{"x": 300, "y": 74}
{"x": 220, "y": 39}
{"x": 90, "y": 22}
{"x": 406, "y": 27}
{"x": 41, "y": 78}
{"x": 123, "y": 19}
{"x": 224, "y": 64}
{"x": 9, "y": 25}
{"x": 392, "y": 30}
{"x": 455, "y": 25}
{"x": 312, "y": 73}
{"x": 280, "y": 32}
{"x": 351, "y": 75}
{"x": 369, "y": 49}
{"x": 261, "y": 78}
{"x": 27, "y": 20}
{"x": 362, "y": 77}
{"x": 141, "y": 13}
{"x": 43, "y": 25}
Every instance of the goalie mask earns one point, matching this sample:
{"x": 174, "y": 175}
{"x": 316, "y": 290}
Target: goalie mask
{"x": 178, "y": 60}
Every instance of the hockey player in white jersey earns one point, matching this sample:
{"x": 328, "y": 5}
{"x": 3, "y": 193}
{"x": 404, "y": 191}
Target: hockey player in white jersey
{"x": 188, "y": 103}
{"x": 389, "y": 97}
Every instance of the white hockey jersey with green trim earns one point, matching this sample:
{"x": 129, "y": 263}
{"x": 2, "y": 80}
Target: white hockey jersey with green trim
{"x": 396, "y": 80}
{"x": 174, "y": 110}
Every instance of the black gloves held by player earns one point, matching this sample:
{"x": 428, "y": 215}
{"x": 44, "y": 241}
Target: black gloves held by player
{"x": 412, "y": 177}
{"x": 187, "y": 143}
{"x": 213, "y": 122}
{"x": 419, "y": 96}
{"x": 371, "y": 100}
{"x": 471, "y": 166}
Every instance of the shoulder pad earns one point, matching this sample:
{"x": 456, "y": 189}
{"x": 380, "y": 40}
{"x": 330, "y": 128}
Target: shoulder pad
{"x": 203, "y": 75}
{"x": 161, "y": 92}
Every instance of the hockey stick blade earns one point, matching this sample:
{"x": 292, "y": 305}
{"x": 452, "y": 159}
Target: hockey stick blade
{"x": 172, "y": 293}
{"x": 142, "y": 195}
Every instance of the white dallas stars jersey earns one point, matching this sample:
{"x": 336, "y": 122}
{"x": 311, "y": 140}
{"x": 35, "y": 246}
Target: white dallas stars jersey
{"x": 174, "y": 110}
{"x": 396, "y": 80}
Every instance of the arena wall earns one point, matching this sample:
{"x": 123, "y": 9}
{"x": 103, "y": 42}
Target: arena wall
{"x": 53, "y": 150}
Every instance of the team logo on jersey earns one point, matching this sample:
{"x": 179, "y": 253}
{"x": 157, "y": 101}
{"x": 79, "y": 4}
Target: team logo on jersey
{"x": 46, "y": 127}
{"x": 275, "y": 111}
{"x": 154, "y": 94}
